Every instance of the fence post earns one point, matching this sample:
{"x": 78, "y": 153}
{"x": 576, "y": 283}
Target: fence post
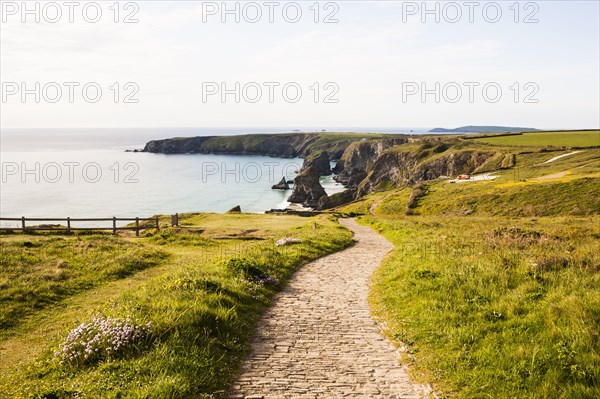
{"x": 23, "y": 222}
{"x": 114, "y": 225}
{"x": 137, "y": 226}
{"x": 68, "y": 224}
{"x": 157, "y": 226}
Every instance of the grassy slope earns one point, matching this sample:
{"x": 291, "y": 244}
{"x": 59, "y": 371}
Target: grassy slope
{"x": 496, "y": 304}
{"x": 556, "y": 139}
{"x": 202, "y": 310}
{"x": 39, "y": 271}
{"x": 524, "y": 190}
{"x": 492, "y": 312}
{"x": 255, "y": 142}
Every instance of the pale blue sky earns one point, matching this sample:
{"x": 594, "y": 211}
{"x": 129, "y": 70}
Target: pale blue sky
{"x": 370, "y": 54}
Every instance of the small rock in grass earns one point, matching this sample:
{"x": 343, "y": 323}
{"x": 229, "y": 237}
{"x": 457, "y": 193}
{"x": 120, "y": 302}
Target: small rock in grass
{"x": 287, "y": 241}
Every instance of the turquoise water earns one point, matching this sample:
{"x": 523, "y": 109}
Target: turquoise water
{"x": 87, "y": 173}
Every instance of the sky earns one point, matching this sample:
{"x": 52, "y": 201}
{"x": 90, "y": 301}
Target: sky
{"x": 327, "y": 63}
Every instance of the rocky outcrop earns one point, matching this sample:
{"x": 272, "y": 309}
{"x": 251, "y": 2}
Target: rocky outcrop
{"x": 320, "y": 161}
{"x": 352, "y": 168}
{"x": 282, "y": 185}
{"x": 235, "y": 209}
{"x": 336, "y": 199}
{"x": 400, "y": 168}
{"x": 307, "y": 188}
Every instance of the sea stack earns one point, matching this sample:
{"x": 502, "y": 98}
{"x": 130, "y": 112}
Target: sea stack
{"x": 282, "y": 185}
{"x": 307, "y": 188}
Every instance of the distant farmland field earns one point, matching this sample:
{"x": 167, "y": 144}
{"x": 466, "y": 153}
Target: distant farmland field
{"x": 558, "y": 139}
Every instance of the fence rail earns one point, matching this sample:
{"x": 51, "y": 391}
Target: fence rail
{"x": 68, "y": 228}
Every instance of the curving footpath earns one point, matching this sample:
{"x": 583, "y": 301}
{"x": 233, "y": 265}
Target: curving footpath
{"x": 318, "y": 340}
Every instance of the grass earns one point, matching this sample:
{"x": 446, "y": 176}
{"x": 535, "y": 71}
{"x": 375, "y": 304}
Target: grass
{"x": 491, "y": 198}
{"x": 494, "y": 286}
{"x": 202, "y": 307}
{"x": 503, "y": 308}
{"x": 40, "y": 271}
{"x": 566, "y": 139}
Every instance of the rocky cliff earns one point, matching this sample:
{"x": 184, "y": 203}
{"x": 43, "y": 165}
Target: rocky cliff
{"x": 286, "y": 145}
{"x": 359, "y": 157}
{"x": 281, "y": 145}
{"x": 320, "y": 161}
{"x": 367, "y": 166}
{"x": 398, "y": 168}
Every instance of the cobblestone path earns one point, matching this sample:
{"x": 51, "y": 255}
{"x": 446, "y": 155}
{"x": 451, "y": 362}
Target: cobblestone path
{"x": 318, "y": 339}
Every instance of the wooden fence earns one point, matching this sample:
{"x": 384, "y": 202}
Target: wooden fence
{"x": 68, "y": 228}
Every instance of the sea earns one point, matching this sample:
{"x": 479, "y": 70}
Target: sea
{"x": 88, "y": 173}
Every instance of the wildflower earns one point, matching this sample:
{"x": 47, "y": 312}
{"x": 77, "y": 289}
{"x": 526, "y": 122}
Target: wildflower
{"x": 100, "y": 338}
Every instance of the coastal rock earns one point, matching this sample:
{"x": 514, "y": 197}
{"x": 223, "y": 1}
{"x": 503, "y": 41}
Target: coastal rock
{"x": 307, "y": 188}
{"x": 336, "y": 199}
{"x": 320, "y": 161}
{"x": 352, "y": 168}
{"x": 398, "y": 168}
{"x": 282, "y": 185}
{"x": 235, "y": 209}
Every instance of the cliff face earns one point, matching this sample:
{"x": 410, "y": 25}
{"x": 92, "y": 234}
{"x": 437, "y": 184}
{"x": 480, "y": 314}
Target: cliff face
{"x": 176, "y": 145}
{"x": 400, "y": 168}
{"x": 287, "y": 145}
{"x": 369, "y": 165}
{"x": 283, "y": 145}
{"x": 320, "y": 161}
{"x": 359, "y": 157}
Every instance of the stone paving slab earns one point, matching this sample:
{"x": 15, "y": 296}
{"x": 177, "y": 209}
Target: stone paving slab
{"x": 318, "y": 340}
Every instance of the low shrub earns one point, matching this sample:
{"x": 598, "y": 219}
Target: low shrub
{"x": 417, "y": 192}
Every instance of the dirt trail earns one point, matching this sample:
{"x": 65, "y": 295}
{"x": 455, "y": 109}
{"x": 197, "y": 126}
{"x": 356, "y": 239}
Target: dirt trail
{"x": 552, "y": 176}
{"x": 319, "y": 340}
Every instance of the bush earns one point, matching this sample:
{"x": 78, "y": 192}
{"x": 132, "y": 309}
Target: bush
{"x": 250, "y": 270}
{"x": 417, "y": 192}
{"x": 440, "y": 148}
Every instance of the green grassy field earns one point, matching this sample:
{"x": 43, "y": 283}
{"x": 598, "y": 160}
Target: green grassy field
{"x": 192, "y": 312}
{"x": 40, "y": 271}
{"x": 556, "y": 139}
{"x": 489, "y": 307}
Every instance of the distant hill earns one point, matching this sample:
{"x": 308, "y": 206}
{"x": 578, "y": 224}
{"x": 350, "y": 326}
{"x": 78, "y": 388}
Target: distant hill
{"x": 483, "y": 129}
